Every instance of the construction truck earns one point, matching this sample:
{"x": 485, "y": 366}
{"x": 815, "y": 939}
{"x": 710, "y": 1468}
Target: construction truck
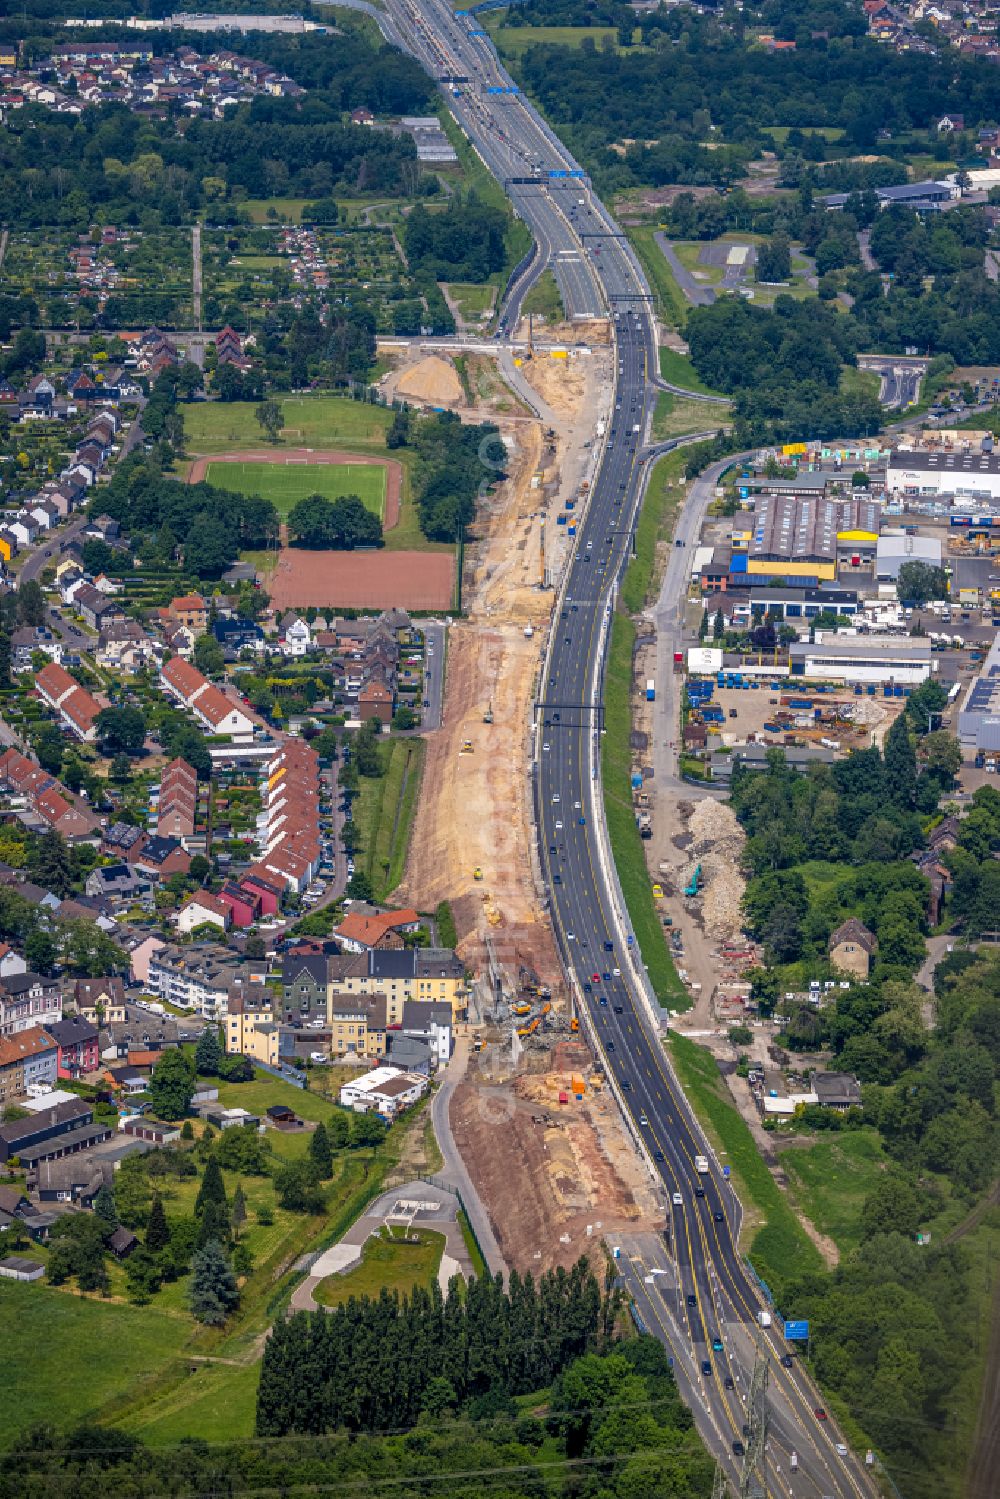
{"x": 488, "y": 715}
{"x": 477, "y": 873}
{"x": 694, "y": 883}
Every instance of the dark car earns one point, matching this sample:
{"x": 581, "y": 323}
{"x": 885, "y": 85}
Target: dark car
{"x": 706, "y": 1367}
{"x": 699, "y": 1191}
{"x": 619, "y": 1009}
{"x": 626, "y": 1085}
{"x": 609, "y": 947}
{"x": 727, "y": 1383}
{"x": 692, "y": 1300}
{"x": 610, "y": 1045}
{"x": 657, "y": 1155}
{"x": 603, "y": 1001}
{"x": 738, "y": 1447}
{"x": 786, "y": 1360}
{"x": 719, "y": 1216}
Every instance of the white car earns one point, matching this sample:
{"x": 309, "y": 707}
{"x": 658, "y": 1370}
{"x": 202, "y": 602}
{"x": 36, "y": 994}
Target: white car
{"x": 556, "y": 797}
{"x": 677, "y": 1200}
{"x": 558, "y": 826}
{"x": 841, "y": 1450}
{"x": 318, "y": 1056}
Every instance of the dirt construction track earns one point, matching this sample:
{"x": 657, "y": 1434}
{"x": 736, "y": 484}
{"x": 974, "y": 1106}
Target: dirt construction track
{"x": 393, "y": 471}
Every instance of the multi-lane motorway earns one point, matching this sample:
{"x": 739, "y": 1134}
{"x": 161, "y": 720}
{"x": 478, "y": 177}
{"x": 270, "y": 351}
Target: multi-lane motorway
{"x": 710, "y": 1317}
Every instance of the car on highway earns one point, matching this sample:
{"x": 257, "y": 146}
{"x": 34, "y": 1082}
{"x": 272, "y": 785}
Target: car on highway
{"x": 619, "y": 1009}
{"x": 727, "y": 1383}
{"x": 627, "y": 1086}
{"x": 699, "y": 1191}
{"x": 738, "y": 1447}
{"x": 706, "y": 1367}
{"x": 692, "y": 1299}
{"x": 786, "y": 1360}
{"x": 658, "y": 1155}
{"x": 717, "y": 1345}
{"x": 719, "y": 1216}
{"x": 677, "y": 1200}
{"x": 819, "y": 1413}
{"x": 603, "y": 1001}
{"x": 643, "y": 1120}
{"x": 610, "y": 1045}
{"x": 840, "y": 1449}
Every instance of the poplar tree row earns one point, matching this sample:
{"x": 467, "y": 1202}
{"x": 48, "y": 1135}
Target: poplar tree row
{"x": 369, "y": 1364}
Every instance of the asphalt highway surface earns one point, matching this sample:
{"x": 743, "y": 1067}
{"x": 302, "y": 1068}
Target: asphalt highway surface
{"x": 713, "y": 1315}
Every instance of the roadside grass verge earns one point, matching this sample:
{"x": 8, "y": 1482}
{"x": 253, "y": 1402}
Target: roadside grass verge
{"x": 678, "y": 369}
{"x": 545, "y": 300}
{"x": 626, "y": 845}
{"x": 384, "y": 812}
{"x": 670, "y": 301}
{"x": 664, "y": 494}
{"x": 676, "y": 416}
{"x": 780, "y": 1248}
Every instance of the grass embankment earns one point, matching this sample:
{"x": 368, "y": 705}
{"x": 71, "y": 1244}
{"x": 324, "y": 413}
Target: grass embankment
{"x": 284, "y": 484}
{"x": 667, "y": 295}
{"x": 384, "y": 812}
{"x": 675, "y": 416}
{"x": 473, "y": 301}
{"x": 780, "y": 1247}
{"x": 626, "y": 845}
{"x": 390, "y": 1260}
{"x": 544, "y": 300}
{"x": 678, "y": 369}
{"x": 664, "y": 493}
{"x": 832, "y": 1178}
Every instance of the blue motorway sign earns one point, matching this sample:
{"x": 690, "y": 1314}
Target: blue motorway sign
{"x": 796, "y": 1332}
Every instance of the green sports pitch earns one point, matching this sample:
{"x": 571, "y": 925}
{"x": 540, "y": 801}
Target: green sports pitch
{"x": 284, "y": 484}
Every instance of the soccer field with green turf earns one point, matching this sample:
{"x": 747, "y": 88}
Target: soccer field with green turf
{"x": 287, "y": 483}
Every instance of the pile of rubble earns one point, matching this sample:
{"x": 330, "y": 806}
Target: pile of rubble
{"x": 717, "y": 841}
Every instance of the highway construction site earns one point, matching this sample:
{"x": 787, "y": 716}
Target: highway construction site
{"x": 533, "y": 1114}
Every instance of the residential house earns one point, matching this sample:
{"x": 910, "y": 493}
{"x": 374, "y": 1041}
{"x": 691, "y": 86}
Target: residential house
{"x": 100, "y": 1001}
{"x": 180, "y": 680}
{"x": 177, "y": 802}
{"x": 124, "y": 646}
{"x": 96, "y": 608}
{"x": 28, "y": 1060}
{"x": 266, "y": 891}
{"x": 357, "y": 1023}
{"x": 294, "y": 635}
{"x": 76, "y": 709}
{"x": 159, "y": 858}
{"x": 243, "y": 905}
{"x": 363, "y": 932}
{"x": 25, "y": 642}
{"x": 203, "y": 909}
{"x": 118, "y": 884}
{"x": 415, "y": 973}
{"x": 386, "y": 1091}
{"x": 190, "y": 610}
{"x": 250, "y": 1027}
{"x": 10, "y": 961}
{"x": 433, "y": 1023}
{"x": 28, "y": 999}
{"x": 375, "y": 700}
{"x": 77, "y": 1040}
{"x": 836, "y": 1090}
{"x": 304, "y": 984}
{"x": 852, "y": 947}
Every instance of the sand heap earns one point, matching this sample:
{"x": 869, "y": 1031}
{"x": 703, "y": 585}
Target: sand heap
{"x": 433, "y": 380}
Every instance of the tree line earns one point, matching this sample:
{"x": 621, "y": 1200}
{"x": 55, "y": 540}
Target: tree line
{"x": 613, "y": 1426}
{"x": 455, "y": 461}
{"x": 370, "y": 1364}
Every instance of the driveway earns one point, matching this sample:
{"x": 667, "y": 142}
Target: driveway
{"x": 697, "y": 294}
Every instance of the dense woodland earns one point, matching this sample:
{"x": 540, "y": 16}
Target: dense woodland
{"x": 489, "y": 1344}
{"x": 890, "y": 1328}
{"x": 611, "y": 1426}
